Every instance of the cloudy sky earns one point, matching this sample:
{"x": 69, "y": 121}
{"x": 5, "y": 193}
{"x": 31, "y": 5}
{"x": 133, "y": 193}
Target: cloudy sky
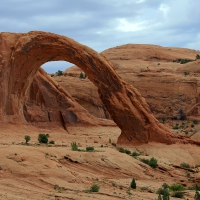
{"x": 102, "y": 24}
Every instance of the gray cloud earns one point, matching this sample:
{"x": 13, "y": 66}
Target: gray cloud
{"x": 107, "y": 23}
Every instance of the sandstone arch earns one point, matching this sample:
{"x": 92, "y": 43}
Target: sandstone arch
{"x": 23, "y": 54}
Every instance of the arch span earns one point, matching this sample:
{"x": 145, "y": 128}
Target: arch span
{"x": 23, "y": 54}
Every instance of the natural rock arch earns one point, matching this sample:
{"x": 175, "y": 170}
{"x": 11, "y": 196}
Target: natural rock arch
{"x": 23, "y": 54}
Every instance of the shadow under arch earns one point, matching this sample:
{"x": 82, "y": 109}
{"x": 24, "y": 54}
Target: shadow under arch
{"x": 127, "y": 107}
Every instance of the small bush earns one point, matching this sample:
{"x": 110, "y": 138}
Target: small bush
{"x": 177, "y": 194}
{"x": 196, "y": 187}
{"x": 185, "y": 165}
{"x": 146, "y": 161}
{"x": 122, "y": 150}
{"x": 144, "y": 188}
{"x": 74, "y": 146}
{"x": 135, "y": 154}
{"x": 59, "y": 73}
{"x": 197, "y": 56}
{"x": 51, "y": 142}
{"x": 177, "y": 187}
{"x": 133, "y": 184}
{"x": 94, "y": 188}
{"x": 114, "y": 144}
{"x": 89, "y": 148}
{"x": 82, "y": 75}
{"x": 186, "y": 73}
{"x": 127, "y": 151}
{"x": 165, "y": 185}
{"x": 27, "y": 138}
{"x": 195, "y": 121}
{"x": 162, "y": 191}
{"x": 43, "y": 138}
{"x": 197, "y": 196}
{"x": 114, "y": 184}
{"x": 176, "y": 127}
{"x": 182, "y": 61}
{"x": 152, "y": 162}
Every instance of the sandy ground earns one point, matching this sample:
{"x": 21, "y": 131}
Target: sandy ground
{"x": 56, "y": 172}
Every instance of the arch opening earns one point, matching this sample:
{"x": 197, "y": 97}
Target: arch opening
{"x": 54, "y": 66}
{"x": 77, "y": 84}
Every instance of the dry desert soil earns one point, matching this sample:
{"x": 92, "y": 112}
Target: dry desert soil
{"x": 54, "y": 171}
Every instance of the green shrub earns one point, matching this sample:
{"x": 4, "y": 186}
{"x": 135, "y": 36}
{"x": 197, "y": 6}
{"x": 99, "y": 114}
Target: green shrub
{"x": 122, "y": 150}
{"x": 114, "y": 144}
{"x": 176, "y": 127}
{"x": 127, "y": 151}
{"x": 114, "y": 184}
{"x": 133, "y": 184}
{"x": 195, "y": 121}
{"x": 163, "y": 191}
{"x": 197, "y": 56}
{"x": 146, "y": 161}
{"x": 82, "y": 75}
{"x": 89, "y": 148}
{"x": 185, "y": 165}
{"x": 94, "y": 188}
{"x": 196, "y": 187}
{"x": 144, "y": 188}
{"x": 152, "y": 162}
{"x": 59, "y": 73}
{"x": 27, "y": 138}
{"x": 74, "y": 146}
{"x": 51, "y": 142}
{"x": 177, "y": 194}
{"x": 186, "y": 73}
{"x": 165, "y": 185}
{"x": 197, "y": 196}
{"x": 177, "y": 187}
{"x": 135, "y": 153}
{"x": 43, "y": 138}
{"x": 182, "y": 61}
{"x": 163, "y": 197}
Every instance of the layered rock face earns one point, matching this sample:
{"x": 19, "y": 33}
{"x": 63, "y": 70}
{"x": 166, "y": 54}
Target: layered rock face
{"x": 21, "y": 57}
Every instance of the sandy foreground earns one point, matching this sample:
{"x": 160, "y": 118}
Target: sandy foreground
{"x": 56, "y": 172}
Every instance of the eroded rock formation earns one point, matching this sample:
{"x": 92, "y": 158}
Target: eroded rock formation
{"x": 167, "y": 86}
{"x": 21, "y": 57}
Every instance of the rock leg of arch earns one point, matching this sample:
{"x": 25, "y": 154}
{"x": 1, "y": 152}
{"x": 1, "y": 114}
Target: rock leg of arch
{"x": 21, "y": 57}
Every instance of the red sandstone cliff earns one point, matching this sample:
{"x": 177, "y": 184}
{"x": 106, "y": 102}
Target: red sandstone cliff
{"x": 21, "y": 56}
